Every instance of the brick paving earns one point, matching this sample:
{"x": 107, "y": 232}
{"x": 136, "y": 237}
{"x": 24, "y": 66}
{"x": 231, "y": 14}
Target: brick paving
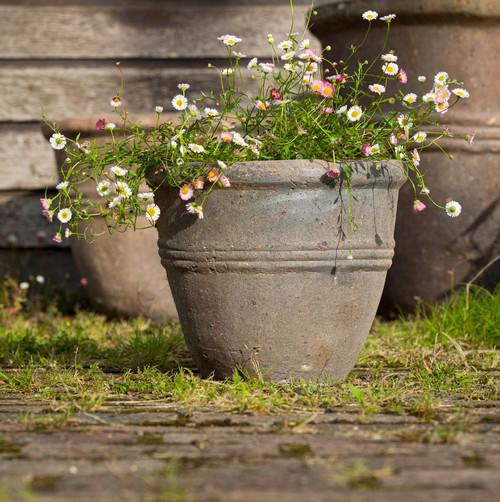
{"x": 153, "y": 451}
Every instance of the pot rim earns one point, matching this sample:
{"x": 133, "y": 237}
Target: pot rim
{"x": 311, "y": 173}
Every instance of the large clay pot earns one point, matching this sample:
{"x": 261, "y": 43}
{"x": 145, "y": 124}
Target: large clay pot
{"x": 123, "y": 271}
{"x": 265, "y": 283}
{"x": 434, "y": 252}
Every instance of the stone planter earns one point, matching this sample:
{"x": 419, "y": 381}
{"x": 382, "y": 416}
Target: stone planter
{"x": 434, "y": 252}
{"x": 264, "y": 283}
{"x": 123, "y": 270}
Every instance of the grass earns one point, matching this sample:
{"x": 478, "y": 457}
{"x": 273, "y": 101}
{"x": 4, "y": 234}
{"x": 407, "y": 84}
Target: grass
{"x": 413, "y": 365}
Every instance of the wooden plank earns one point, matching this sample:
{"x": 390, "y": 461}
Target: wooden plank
{"x": 23, "y": 225}
{"x": 26, "y": 159}
{"x": 135, "y": 29}
{"x": 65, "y": 91}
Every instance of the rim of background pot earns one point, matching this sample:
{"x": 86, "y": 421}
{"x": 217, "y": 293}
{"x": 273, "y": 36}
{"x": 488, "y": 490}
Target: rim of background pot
{"x": 304, "y": 173}
{"x": 333, "y": 13}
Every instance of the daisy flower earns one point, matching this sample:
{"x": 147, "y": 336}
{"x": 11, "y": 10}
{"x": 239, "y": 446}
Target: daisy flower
{"x": 261, "y": 105}
{"x": 443, "y": 94}
{"x": 213, "y": 175}
{"x": 422, "y": 78}
{"x": 152, "y": 213}
{"x": 194, "y": 147}
{"x": 186, "y": 191}
{"x": 441, "y": 78}
{"x": 109, "y": 126}
{"x": 225, "y": 181}
{"x": 418, "y": 206}
{"x": 366, "y": 150}
{"x": 238, "y": 139}
{"x": 377, "y": 88}
{"x": 211, "y": 112}
{"x": 419, "y": 137}
{"x": 390, "y": 69}
{"x": 461, "y": 93}
{"x": 227, "y": 71}
{"x": 288, "y": 56}
{"x": 388, "y": 18}
{"x": 286, "y": 45}
{"x": 45, "y": 203}
{"x": 183, "y": 86}
{"x": 119, "y": 171}
{"x": 57, "y": 238}
{"x": 64, "y": 215}
{"x": 442, "y": 107}
{"x": 116, "y": 101}
{"x": 342, "y": 110}
{"x": 307, "y": 79}
{"x": 63, "y": 185}
{"x": 122, "y": 189}
{"x": 328, "y": 90}
{"x": 429, "y": 97}
{"x": 316, "y": 86}
{"x": 221, "y": 164}
{"x": 425, "y": 191}
{"x": 226, "y": 136}
{"x": 229, "y": 40}
{"x": 180, "y": 102}
{"x": 402, "y": 76}
{"x": 270, "y": 38}
{"x": 410, "y": 98}
{"x": 305, "y": 44}
{"x": 266, "y": 67}
{"x": 100, "y": 124}
{"x": 113, "y": 203}
{"x": 253, "y": 64}
{"x": 415, "y": 157}
{"x": 453, "y": 208}
{"x": 404, "y": 121}
{"x": 389, "y": 57}
{"x": 194, "y": 208}
{"x": 68, "y": 233}
{"x": 158, "y": 109}
{"x": 58, "y": 141}
{"x": 199, "y": 183}
{"x": 354, "y": 113}
{"x": 146, "y": 195}
{"x": 194, "y": 111}
{"x": 370, "y": 15}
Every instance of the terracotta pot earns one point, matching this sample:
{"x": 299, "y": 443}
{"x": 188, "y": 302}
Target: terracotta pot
{"x": 433, "y": 252}
{"x": 265, "y": 283}
{"x": 123, "y": 270}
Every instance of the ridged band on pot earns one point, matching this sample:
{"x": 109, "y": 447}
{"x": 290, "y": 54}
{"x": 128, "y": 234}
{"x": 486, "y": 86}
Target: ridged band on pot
{"x": 274, "y": 280}
{"x": 462, "y": 37}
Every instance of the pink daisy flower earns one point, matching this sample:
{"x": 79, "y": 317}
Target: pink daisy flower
{"x": 186, "y": 191}
{"x": 418, "y": 206}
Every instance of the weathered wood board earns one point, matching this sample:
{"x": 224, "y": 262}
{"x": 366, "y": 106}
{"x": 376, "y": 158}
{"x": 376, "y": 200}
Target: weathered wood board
{"x": 144, "y": 29}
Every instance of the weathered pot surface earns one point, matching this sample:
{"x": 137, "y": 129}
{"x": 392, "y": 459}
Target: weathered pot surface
{"x": 265, "y": 283}
{"x": 433, "y": 252}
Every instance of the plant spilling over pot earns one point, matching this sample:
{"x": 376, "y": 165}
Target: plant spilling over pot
{"x": 308, "y": 106}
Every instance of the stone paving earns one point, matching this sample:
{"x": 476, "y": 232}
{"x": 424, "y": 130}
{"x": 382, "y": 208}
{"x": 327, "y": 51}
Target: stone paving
{"x": 150, "y": 450}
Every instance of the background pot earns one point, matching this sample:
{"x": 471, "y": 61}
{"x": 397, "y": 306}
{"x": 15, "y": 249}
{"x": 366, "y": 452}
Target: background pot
{"x": 123, "y": 270}
{"x": 265, "y": 283}
{"x": 433, "y": 252}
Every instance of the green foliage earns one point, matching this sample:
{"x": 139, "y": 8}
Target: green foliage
{"x": 407, "y": 366}
{"x": 354, "y": 109}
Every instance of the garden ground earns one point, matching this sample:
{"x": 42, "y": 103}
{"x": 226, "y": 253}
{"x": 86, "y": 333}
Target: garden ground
{"x": 105, "y": 410}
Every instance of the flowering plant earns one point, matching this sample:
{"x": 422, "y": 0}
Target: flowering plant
{"x": 307, "y": 105}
